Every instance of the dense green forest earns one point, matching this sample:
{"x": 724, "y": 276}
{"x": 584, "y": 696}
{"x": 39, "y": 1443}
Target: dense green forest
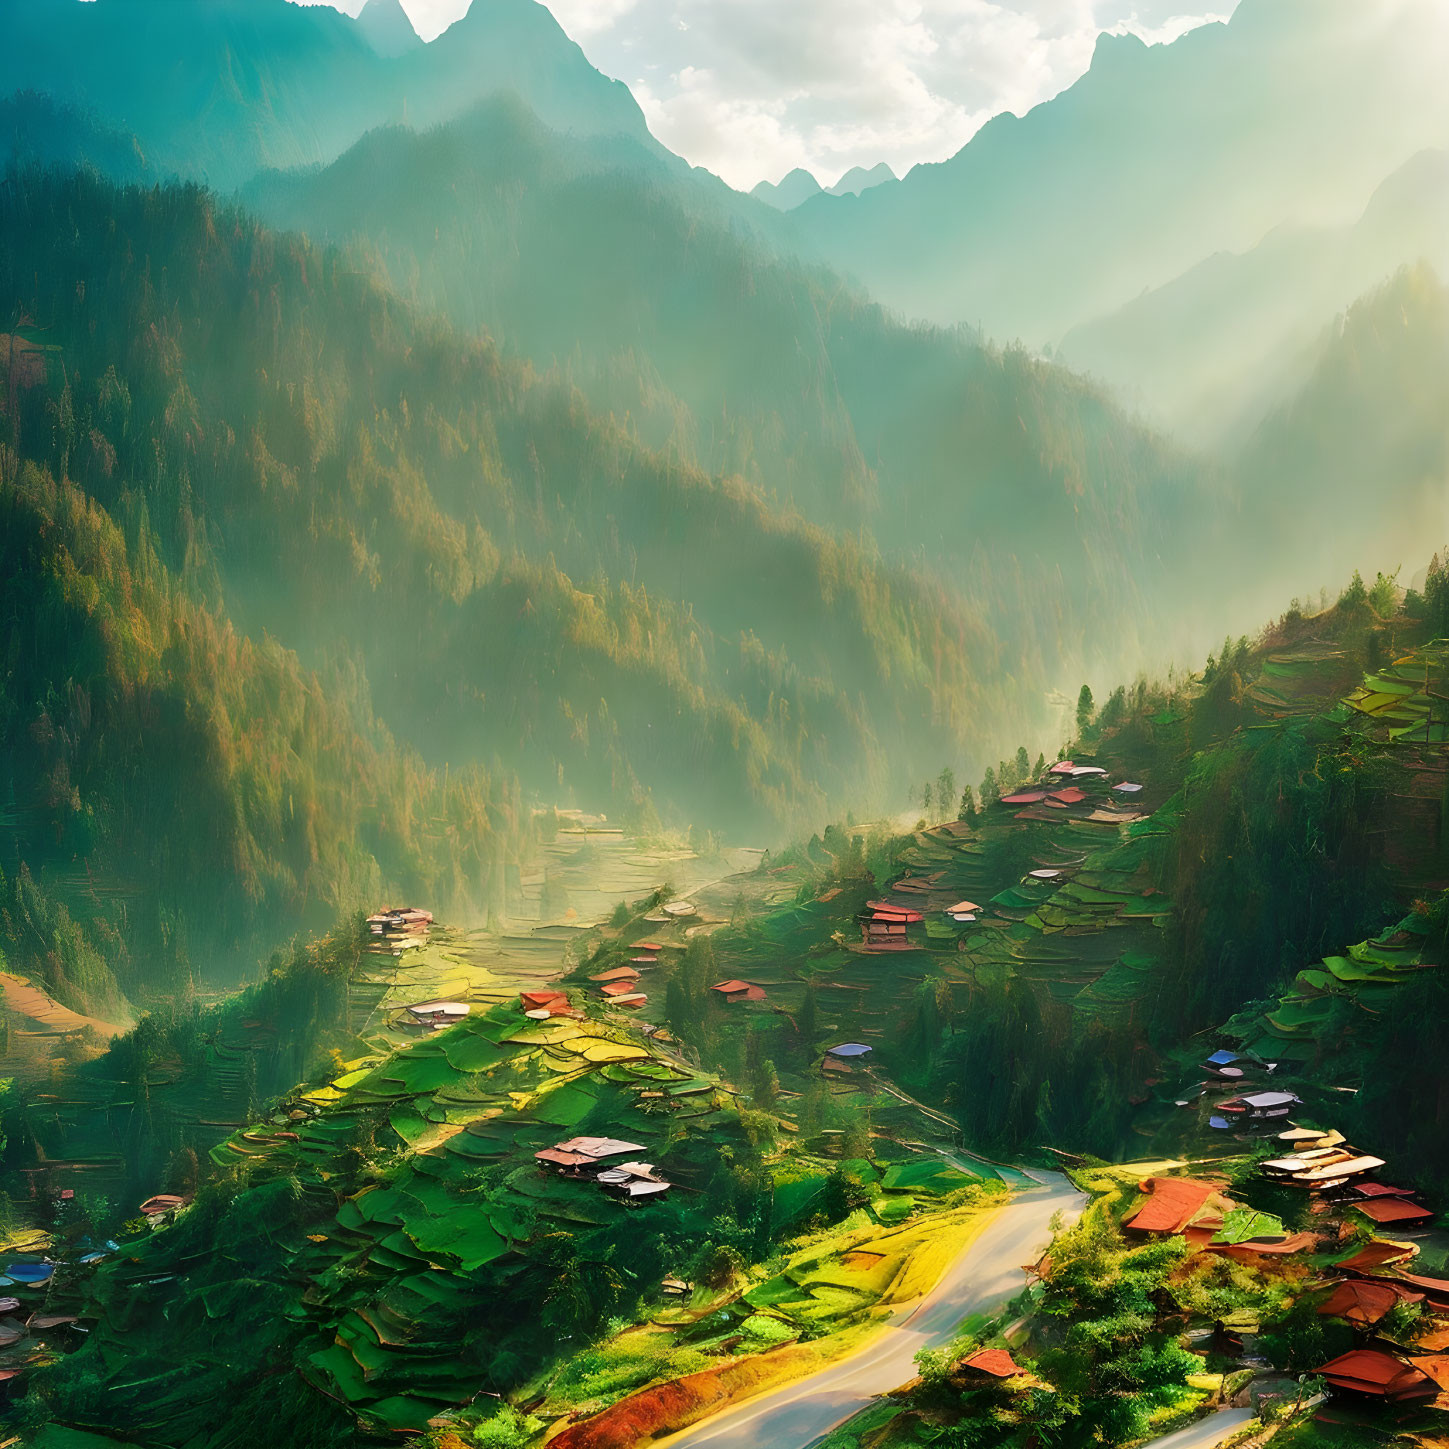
{"x": 210, "y": 790}
{"x": 515, "y": 577}
{"x": 418, "y": 485}
{"x": 637, "y": 283}
{"x": 1285, "y": 827}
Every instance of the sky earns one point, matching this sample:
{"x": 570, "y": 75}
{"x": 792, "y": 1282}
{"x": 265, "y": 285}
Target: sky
{"x": 754, "y": 88}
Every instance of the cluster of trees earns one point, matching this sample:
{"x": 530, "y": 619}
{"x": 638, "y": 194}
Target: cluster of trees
{"x": 1009, "y": 775}
{"x": 549, "y": 1298}
{"x": 501, "y": 571}
{"x": 201, "y": 792}
{"x": 1271, "y": 851}
{"x": 591, "y": 255}
{"x": 1105, "y": 1352}
{"x": 164, "y": 1087}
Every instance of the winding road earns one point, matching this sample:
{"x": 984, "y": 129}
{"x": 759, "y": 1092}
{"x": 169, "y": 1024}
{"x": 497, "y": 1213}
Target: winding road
{"x": 987, "y": 1274}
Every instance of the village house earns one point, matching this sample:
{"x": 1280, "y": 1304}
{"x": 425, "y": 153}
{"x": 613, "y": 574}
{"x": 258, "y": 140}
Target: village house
{"x": 1176, "y": 1205}
{"x": 733, "y": 991}
{"x": 1370, "y": 1373}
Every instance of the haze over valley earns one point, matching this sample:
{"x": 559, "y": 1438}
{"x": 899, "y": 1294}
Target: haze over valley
{"x": 841, "y": 699}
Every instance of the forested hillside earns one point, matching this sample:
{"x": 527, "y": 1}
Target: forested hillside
{"x": 212, "y": 794}
{"x": 1367, "y": 433}
{"x": 514, "y": 575}
{"x": 1013, "y": 479}
{"x": 1214, "y": 350}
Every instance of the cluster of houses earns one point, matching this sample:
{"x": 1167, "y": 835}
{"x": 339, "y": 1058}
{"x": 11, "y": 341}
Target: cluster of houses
{"x": 434, "y": 1015}
{"x": 590, "y": 1159}
{"x": 885, "y": 925}
{"x": 545, "y": 1002}
{"x": 395, "y": 929}
{"x": 1226, "y": 1073}
{"x": 1062, "y": 790}
{"x": 1361, "y": 1289}
{"x": 620, "y": 986}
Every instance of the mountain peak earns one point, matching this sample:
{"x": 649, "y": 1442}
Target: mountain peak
{"x": 1114, "y": 47}
{"x": 792, "y": 189}
{"x": 860, "y": 178}
{"x": 386, "y": 27}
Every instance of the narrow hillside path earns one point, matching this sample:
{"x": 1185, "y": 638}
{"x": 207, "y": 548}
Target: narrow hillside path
{"x": 1206, "y": 1433}
{"x": 47, "y": 1014}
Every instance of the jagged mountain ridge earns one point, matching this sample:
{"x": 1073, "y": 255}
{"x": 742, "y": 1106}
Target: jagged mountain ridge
{"x": 245, "y": 84}
{"x": 1155, "y": 159}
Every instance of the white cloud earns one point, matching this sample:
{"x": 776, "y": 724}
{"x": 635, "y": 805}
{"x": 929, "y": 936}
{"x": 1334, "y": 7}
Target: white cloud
{"x": 754, "y": 88}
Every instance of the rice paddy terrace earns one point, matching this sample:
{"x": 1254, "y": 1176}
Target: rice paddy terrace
{"x": 452, "y": 1264}
{"x": 1058, "y": 887}
{"x": 385, "y": 1241}
{"x": 1060, "y": 895}
{"x": 394, "y": 1249}
{"x": 89, "y": 1118}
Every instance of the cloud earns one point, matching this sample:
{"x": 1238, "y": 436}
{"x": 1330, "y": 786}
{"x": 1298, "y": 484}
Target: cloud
{"x": 753, "y": 88}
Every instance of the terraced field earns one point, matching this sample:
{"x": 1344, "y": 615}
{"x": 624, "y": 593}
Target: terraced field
{"x": 1065, "y": 901}
{"x": 396, "y": 1247}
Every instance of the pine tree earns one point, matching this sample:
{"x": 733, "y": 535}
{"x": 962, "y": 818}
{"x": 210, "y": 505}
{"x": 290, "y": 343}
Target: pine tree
{"x": 1023, "y": 765}
{"x": 945, "y": 789}
{"x": 990, "y": 791}
{"x": 807, "y": 1019}
{"x": 968, "y": 805}
{"x": 1084, "y": 710}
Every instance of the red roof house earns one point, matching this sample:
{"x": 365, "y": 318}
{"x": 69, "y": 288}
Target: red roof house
{"x": 996, "y": 1363}
{"x": 1377, "y": 1254}
{"x": 1365, "y": 1302}
{"x": 619, "y": 973}
{"x": 1393, "y": 1210}
{"x": 1378, "y": 1375}
{"x": 1172, "y": 1203}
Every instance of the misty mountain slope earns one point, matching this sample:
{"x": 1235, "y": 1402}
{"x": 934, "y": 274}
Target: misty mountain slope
{"x": 191, "y": 794}
{"x": 1015, "y": 478}
{"x": 1361, "y": 451}
{"x": 37, "y": 130}
{"x": 1155, "y": 159}
{"x": 515, "y": 575}
{"x": 387, "y": 29}
{"x": 1215, "y": 348}
{"x": 220, "y": 90}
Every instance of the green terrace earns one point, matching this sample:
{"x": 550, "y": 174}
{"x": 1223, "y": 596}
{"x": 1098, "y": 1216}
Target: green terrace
{"x": 389, "y": 1235}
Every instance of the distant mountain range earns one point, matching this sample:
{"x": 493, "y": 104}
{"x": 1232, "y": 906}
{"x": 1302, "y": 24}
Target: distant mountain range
{"x": 799, "y": 186}
{"x": 1156, "y": 159}
{"x": 1212, "y": 351}
{"x": 238, "y": 85}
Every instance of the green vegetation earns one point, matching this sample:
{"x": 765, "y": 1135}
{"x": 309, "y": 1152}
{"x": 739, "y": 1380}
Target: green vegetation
{"x": 384, "y": 1245}
{"x": 208, "y": 790}
{"x": 460, "y": 476}
{"x": 323, "y": 465}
